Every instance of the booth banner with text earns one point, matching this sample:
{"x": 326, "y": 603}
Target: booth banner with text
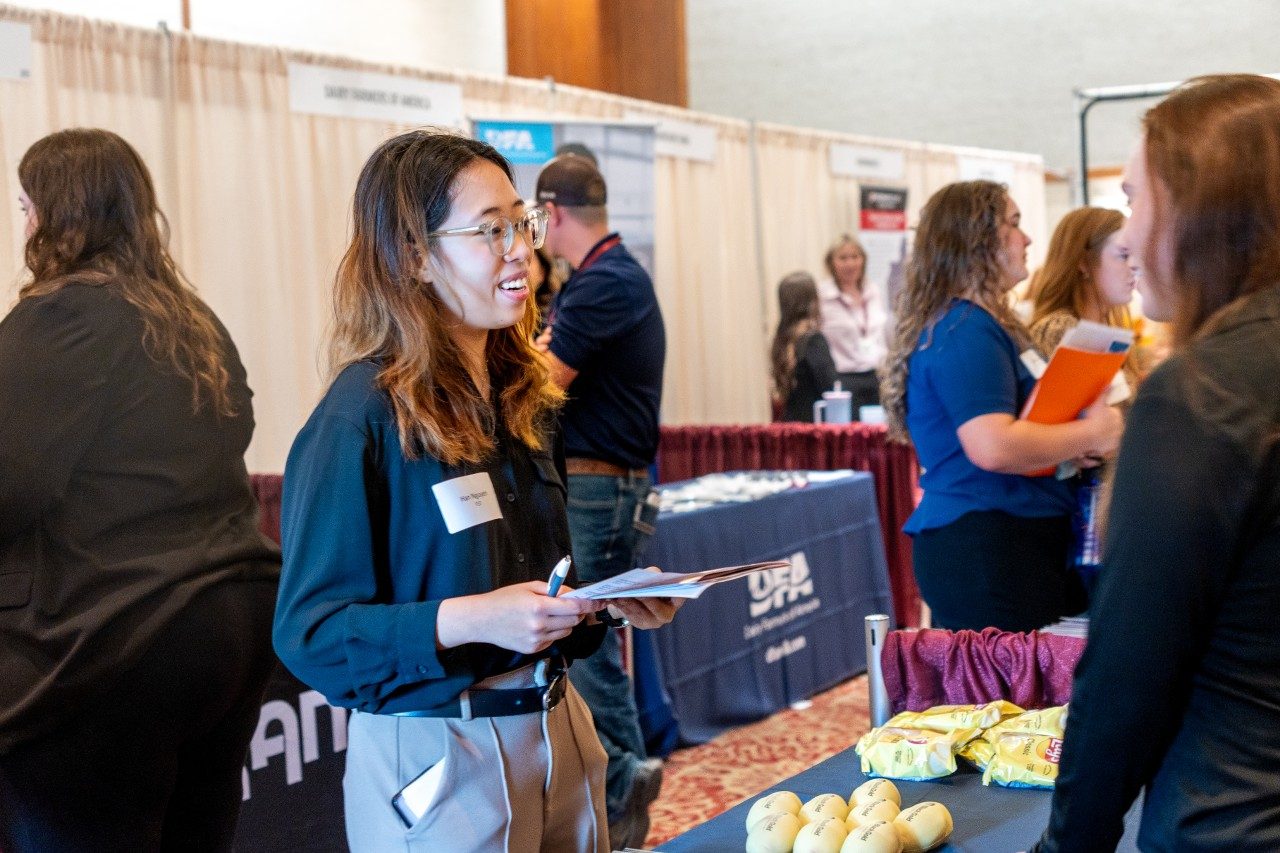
{"x": 321, "y": 90}
{"x": 882, "y": 227}
{"x": 986, "y": 169}
{"x": 292, "y": 778}
{"x": 15, "y": 51}
{"x": 859, "y": 161}
{"x": 624, "y": 152}
{"x": 683, "y": 139}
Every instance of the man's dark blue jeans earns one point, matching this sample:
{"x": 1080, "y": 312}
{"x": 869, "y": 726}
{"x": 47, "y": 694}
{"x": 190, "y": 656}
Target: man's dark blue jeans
{"x": 610, "y": 520}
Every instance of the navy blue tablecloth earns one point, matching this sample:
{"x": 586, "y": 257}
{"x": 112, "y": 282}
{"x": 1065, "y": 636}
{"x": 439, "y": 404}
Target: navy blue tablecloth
{"x": 987, "y": 820}
{"x": 748, "y": 648}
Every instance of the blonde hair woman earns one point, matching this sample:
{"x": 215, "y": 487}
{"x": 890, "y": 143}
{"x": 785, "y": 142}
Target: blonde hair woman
{"x": 853, "y": 320}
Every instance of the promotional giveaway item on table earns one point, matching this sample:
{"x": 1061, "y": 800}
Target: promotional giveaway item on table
{"x": 867, "y": 823}
{"x": 984, "y": 819}
{"x": 1013, "y": 748}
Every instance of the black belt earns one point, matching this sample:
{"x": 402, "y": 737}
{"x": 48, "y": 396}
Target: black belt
{"x": 482, "y": 702}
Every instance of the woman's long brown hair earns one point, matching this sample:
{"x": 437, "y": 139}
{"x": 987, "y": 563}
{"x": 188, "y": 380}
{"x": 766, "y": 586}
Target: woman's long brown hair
{"x": 1076, "y": 247}
{"x": 956, "y": 254}
{"x": 798, "y": 316}
{"x": 1213, "y": 155}
{"x": 98, "y": 223}
{"x": 384, "y": 311}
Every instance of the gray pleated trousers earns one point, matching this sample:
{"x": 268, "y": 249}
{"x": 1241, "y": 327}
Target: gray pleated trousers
{"x": 532, "y": 783}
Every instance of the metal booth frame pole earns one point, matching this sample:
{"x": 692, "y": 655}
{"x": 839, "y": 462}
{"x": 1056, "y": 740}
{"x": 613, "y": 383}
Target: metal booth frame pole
{"x": 1086, "y": 99}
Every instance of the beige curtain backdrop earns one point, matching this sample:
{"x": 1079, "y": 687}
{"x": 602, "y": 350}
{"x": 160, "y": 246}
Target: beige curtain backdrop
{"x": 258, "y": 199}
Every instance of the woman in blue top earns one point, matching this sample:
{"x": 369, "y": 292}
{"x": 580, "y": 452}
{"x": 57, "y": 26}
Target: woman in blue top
{"x": 990, "y": 540}
{"x": 424, "y": 506}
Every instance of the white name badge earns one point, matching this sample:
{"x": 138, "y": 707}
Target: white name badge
{"x": 467, "y": 501}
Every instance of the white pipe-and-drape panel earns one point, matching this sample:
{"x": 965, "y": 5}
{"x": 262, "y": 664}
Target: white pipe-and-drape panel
{"x": 259, "y": 200}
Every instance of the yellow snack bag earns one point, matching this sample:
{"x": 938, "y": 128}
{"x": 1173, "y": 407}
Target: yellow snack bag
{"x": 979, "y": 751}
{"x": 1046, "y": 721}
{"x": 899, "y": 753}
{"x": 945, "y": 718}
{"x": 1024, "y": 760}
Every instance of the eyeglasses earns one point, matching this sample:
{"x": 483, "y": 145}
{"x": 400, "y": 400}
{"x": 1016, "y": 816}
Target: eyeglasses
{"x": 501, "y": 232}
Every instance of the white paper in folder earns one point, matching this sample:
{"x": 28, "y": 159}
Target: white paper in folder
{"x": 641, "y": 583}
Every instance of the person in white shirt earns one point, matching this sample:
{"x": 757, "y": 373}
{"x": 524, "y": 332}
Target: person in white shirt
{"x": 853, "y": 321}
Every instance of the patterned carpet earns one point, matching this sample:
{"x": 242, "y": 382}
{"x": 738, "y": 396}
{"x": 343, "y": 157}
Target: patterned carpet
{"x": 703, "y": 781}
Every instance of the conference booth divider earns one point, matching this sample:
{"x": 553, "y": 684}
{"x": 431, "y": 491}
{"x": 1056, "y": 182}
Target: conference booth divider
{"x": 257, "y": 186}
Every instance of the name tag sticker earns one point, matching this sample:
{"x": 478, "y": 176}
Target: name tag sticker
{"x": 1034, "y": 363}
{"x": 467, "y": 501}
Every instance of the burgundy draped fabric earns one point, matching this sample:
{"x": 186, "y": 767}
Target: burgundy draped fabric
{"x": 266, "y": 488}
{"x": 691, "y": 451}
{"x": 931, "y": 667}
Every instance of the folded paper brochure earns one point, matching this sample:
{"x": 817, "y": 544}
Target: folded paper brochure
{"x": 640, "y": 583}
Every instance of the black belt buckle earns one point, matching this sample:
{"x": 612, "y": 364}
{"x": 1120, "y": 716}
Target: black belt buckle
{"x": 555, "y": 692}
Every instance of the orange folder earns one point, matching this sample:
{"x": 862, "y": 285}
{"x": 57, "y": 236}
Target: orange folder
{"x": 1072, "y": 381}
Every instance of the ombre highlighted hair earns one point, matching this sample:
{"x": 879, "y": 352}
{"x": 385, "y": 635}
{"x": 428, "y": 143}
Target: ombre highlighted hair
{"x": 383, "y": 309}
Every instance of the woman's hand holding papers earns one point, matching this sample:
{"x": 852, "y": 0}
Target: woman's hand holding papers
{"x": 645, "y": 612}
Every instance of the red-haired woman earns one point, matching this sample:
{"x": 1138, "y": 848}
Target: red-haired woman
{"x": 1178, "y": 692}
{"x": 135, "y": 589}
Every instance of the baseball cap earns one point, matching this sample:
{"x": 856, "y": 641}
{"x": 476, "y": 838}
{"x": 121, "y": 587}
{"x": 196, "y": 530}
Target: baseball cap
{"x": 571, "y": 181}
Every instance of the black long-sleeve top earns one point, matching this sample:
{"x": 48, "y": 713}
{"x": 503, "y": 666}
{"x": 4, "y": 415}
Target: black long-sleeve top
{"x": 118, "y": 504}
{"x": 1178, "y": 691}
{"x": 815, "y": 372}
{"x": 368, "y": 556}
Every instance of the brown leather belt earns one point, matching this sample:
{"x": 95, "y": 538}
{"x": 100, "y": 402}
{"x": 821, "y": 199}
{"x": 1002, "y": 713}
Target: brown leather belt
{"x": 583, "y": 465}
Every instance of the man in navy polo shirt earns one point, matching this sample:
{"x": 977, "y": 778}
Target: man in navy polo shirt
{"x": 606, "y": 344}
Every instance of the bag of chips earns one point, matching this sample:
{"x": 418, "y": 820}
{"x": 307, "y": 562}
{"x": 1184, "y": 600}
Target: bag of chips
{"x": 1024, "y": 760}
{"x": 902, "y": 753}
{"x": 945, "y": 718}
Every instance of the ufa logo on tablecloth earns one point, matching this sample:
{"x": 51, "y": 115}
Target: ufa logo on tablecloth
{"x": 776, "y": 588}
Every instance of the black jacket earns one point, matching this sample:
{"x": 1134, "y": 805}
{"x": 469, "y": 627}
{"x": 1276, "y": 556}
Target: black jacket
{"x": 117, "y": 503}
{"x": 1179, "y": 687}
{"x": 814, "y": 373}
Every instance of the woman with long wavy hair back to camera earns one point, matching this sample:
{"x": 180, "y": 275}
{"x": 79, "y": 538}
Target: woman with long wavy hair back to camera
{"x": 800, "y": 357}
{"x": 135, "y": 589}
{"x": 424, "y": 507}
{"x": 990, "y": 540}
{"x": 1178, "y": 692}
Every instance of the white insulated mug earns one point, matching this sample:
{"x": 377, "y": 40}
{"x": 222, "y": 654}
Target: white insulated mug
{"x": 835, "y": 407}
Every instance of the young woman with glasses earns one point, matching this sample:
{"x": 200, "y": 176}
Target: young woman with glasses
{"x": 424, "y": 506}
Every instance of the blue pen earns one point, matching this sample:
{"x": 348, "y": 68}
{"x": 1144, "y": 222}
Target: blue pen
{"x": 558, "y": 574}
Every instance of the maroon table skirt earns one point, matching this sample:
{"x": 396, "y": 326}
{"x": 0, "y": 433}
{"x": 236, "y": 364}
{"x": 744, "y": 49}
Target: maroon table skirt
{"x": 932, "y": 667}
